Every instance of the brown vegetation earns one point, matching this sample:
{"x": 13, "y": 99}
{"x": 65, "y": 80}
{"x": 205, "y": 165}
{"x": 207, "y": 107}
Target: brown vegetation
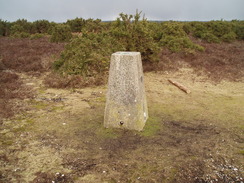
{"x": 21, "y": 55}
{"x": 218, "y": 61}
{"x": 11, "y": 90}
{"x": 25, "y": 55}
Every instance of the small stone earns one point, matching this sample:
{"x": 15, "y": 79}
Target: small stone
{"x": 104, "y": 171}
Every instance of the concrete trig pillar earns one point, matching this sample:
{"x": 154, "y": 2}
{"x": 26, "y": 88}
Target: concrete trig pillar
{"x": 126, "y": 105}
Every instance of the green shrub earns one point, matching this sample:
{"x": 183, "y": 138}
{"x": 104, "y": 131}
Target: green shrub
{"x": 92, "y": 25}
{"x": 40, "y": 26}
{"x": 89, "y": 54}
{"x": 20, "y": 35}
{"x": 36, "y": 36}
{"x": 187, "y": 27}
{"x": 217, "y": 31}
{"x": 16, "y": 29}
{"x": 135, "y": 35}
{"x": 61, "y": 33}
{"x": 229, "y": 37}
{"x": 180, "y": 44}
{"x": 238, "y": 28}
{"x": 156, "y": 31}
{"x": 76, "y": 24}
{"x": 21, "y": 25}
{"x": 209, "y": 37}
{"x": 173, "y": 29}
{"x": 220, "y": 28}
{"x": 20, "y": 29}
{"x": 176, "y": 40}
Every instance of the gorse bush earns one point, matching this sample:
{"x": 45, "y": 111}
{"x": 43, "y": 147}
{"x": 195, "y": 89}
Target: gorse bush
{"x": 175, "y": 38}
{"x": 61, "y": 33}
{"x": 76, "y": 24}
{"x": 36, "y": 36}
{"x": 18, "y": 31}
{"x": 89, "y": 54}
{"x": 135, "y": 35}
{"x": 180, "y": 44}
{"x": 94, "y": 26}
{"x": 238, "y": 28}
{"x": 41, "y": 27}
{"x": 218, "y": 31}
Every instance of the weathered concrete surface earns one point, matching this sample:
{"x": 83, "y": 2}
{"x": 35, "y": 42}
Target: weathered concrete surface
{"x": 126, "y": 105}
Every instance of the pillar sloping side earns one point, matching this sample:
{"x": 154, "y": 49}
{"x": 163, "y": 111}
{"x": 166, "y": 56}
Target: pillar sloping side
{"x": 126, "y": 105}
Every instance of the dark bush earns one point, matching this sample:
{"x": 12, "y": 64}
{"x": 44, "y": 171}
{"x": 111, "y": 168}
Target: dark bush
{"x": 61, "y": 33}
{"x": 4, "y": 28}
{"x": 41, "y": 27}
{"x": 76, "y": 24}
{"x": 238, "y": 28}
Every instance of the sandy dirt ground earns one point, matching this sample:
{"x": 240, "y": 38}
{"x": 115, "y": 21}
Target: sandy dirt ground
{"x": 196, "y": 137}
